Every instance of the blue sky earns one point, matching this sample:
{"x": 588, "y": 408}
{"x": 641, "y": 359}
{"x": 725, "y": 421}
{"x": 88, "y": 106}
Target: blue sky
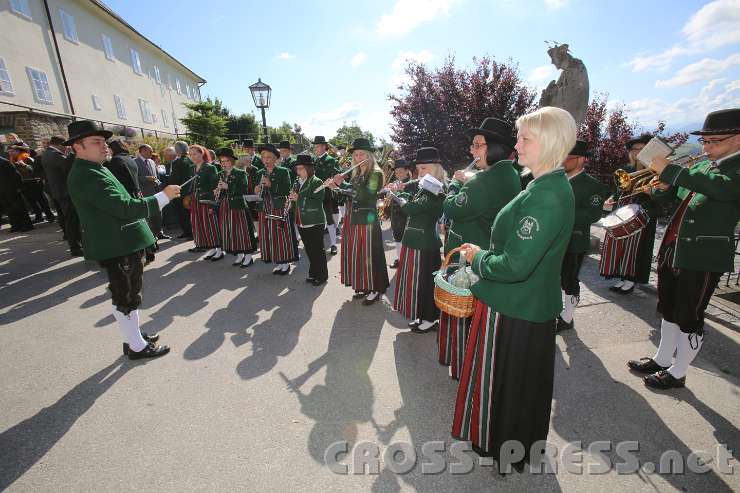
{"x": 331, "y": 62}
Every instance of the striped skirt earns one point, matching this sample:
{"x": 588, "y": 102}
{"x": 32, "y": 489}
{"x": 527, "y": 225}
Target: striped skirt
{"x": 363, "y": 264}
{"x": 619, "y": 256}
{"x": 451, "y": 341}
{"x": 506, "y": 383}
{"x": 277, "y": 240}
{"x": 237, "y": 230}
{"x": 204, "y": 219}
{"x": 414, "y": 285}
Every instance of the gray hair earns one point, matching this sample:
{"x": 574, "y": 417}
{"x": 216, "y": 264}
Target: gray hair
{"x": 181, "y": 147}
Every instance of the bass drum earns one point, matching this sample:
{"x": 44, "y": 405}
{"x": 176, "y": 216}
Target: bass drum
{"x": 626, "y": 221}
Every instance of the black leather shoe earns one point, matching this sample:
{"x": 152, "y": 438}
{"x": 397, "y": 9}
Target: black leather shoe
{"x": 615, "y": 288}
{"x": 218, "y": 257}
{"x": 319, "y": 282}
{"x": 162, "y": 236}
{"x": 664, "y": 380}
{"x": 432, "y": 328}
{"x": 359, "y": 294}
{"x": 244, "y": 266}
{"x": 394, "y": 265}
{"x": 368, "y": 302}
{"x": 148, "y": 338}
{"x": 150, "y": 351}
{"x": 283, "y": 272}
{"x": 333, "y": 250}
{"x": 414, "y": 323}
{"x": 645, "y": 365}
{"x": 76, "y": 253}
{"x": 626, "y": 291}
{"x": 561, "y": 325}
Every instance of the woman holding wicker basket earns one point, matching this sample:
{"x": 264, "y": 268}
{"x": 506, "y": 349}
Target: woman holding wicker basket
{"x": 506, "y": 383}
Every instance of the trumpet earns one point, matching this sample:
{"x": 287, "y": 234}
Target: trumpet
{"x": 642, "y": 181}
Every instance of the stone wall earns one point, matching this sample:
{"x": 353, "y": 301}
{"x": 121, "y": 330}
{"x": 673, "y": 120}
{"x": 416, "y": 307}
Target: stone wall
{"x": 35, "y": 129}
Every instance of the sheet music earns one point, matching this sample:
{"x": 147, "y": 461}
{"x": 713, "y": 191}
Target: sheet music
{"x": 657, "y": 147}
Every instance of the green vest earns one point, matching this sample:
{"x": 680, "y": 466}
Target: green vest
{"x": 280, "y": 184}
{"x": 237, "y": 181}
{"x": 520, "y": 273}
{"x": 472, "y": 207}
{"x": 589, "y": 197}
{"x": 205, "y": 181}
{"x": 423, "y": 211}
{"x": 310, "y": 203}
{"x": 113, "y": 223}
{"x": 706, "y": 234}
{"x": 182, "y": 170}
{"x": 365, "y": 197}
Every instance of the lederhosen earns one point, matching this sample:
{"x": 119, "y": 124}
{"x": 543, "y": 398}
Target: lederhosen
{"x": 125, "y": 279}
{"x": 569, "y": 274}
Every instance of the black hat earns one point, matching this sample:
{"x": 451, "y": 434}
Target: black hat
{"x": 580, "y": 149}
{"x": 720, "y": 123}
{"x": 361, "y": 144}
{"x": 427, "y": 155}
{"x": 248, "y": 143}
{"x": 641, "y": 139}
{"x": 496, "y": 129}
{"x": 401, "y": 163}
{"x": 284, "y": 144}
{"x": 80, "y": 129}
{"x": 319, "y": 139}
{"x": 226, "y": 151}
{"x": 56, "y": 141}
{"x": 304, "y": 160}
{"x": 268, "y": 147}
{"x": 118, "y": 146}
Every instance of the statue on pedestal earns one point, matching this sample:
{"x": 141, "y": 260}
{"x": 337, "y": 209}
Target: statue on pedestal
{"x": 570, "y": 92}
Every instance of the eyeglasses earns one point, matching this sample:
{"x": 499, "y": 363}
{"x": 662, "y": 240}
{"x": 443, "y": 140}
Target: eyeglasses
{"x": 475, "y": 145}
{"x": 705, "y": 142}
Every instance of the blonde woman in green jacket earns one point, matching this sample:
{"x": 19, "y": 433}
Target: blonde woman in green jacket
{"x": 506, "y": 383}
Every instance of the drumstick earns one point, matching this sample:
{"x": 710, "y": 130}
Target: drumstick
{"x": 343, "y": 173}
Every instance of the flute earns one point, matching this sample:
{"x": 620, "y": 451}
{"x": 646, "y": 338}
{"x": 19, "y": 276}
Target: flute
{"x": 343, "y": 173}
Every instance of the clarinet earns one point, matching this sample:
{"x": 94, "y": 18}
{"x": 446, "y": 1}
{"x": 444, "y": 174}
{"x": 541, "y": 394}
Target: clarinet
{"x": 288, "y": 202}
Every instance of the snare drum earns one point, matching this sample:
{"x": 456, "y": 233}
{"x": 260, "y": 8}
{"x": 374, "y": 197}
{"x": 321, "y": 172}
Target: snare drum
{"x": 626, "y": 221}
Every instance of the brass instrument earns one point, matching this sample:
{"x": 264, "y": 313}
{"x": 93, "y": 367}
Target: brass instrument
{"x": 642, "y": 181}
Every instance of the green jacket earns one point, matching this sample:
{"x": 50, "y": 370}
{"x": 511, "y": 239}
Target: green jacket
{"x": 237, "y": 181}
{"x": 423, "y": 211}
{"x": 289, "y": 164}
{"x": 520, "y": 273}
{"x": 112, "y": 223}
{"x": 280, "y": 185}
{"x": 589, "y": 194}
{"x": 472, "y": 207}
{"x": 206, "y": 181}
{"x": 326, "y": 167}
{"x": 706, "y": 234}
{"x": 310, "y": 204}
{"x": 365, "y": 197}
{"x": 182, "y": 170}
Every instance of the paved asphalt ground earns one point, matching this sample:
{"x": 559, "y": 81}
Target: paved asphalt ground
{"x": 266, "y": 372}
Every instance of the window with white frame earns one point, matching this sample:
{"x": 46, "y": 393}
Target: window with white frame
{"x": 21, "y": 7}
{"x": 6, "y": 85}
{"x": 174, "y": 120}
{"x": 97, "y": 103}
{"x": 179, "y": 88}
{"x": 157, "y": 77}
{"x": 170, "y": 85}
{"x": 155, "y": 118}
{"x": 136, "y": 62}
{"x": 40, "y": 85}
{"x": 146, "y": 111}
{"x": 164, "y": 119}
{"x": 108, "y": 47}
{"x": 197, "y": 91}
{"x": 187, "y": 91}
{"x": 68, "y": 26}
{"x": 120, "y": 108}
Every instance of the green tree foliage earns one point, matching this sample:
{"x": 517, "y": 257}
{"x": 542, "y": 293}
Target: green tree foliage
{"x": 206, "y": 123}
{"x": 348, "y": 133}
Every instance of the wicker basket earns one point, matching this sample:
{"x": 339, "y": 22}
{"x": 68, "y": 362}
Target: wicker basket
{"x": 456, "y": 302}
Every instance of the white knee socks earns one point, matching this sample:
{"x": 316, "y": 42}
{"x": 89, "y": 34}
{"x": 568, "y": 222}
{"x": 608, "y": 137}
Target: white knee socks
{"x": 688, "y": 347}
{"x": 569, "y": 307}
{"x": 398, "y": 250}
{"x": 335, "y": 217}
{"x": 669, "y": 334}
{"x": 332, "y": 234}
{"x": 129, "y": 327}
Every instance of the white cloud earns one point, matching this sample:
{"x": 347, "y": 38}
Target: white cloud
{"x": 407, "y": 15}
{"x": 715, "y": 95}
{"x": 285, "y": 56}
{"x": 326, "y": 123}
{"x": 555, "y": 4}
{"x": 543, "y": 73}
{"x": 707, "y": 68}
{"x": 714, "y": 25}
{"x": 358, "y": 59}
{"x": 399, "y": 63}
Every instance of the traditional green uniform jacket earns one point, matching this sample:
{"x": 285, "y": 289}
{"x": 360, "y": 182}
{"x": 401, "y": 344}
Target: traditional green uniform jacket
{"x": 257, "y": 162}
{"x": 365, "y": 197}
{"x": 217, "y": 165}
{"x": 423, "y": 210}
{"x": 398, "y": 218}
{"x": 280, "y": 185}
{"x": 182, "y": 170}
{"x": 206, "y": 181}
{"x": 589, "y": 194}
{"x": 289, "y": 164}
{"x": 472, "y": 207}
{"x": 310, "y": 203}
{"x": 113, "y": 223}
{"x": 707, "y": 231}
{"x": 237, "y": 181}
{"x": 520, "y": 274}
{"x": 326, "y": 167}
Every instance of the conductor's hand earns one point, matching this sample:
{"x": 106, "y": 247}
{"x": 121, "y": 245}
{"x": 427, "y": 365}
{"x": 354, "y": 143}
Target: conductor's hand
{"x": 172, "y": 191}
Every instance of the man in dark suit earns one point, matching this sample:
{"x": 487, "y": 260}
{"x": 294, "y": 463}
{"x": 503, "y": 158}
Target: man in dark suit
{"x": 11, "y": 199}
{"x": 149, "y": 184}
{"x": 56, "y": 167}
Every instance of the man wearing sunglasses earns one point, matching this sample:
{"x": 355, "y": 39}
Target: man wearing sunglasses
{"x": 698, "y": 245}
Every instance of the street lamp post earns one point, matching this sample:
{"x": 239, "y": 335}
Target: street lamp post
{"x": 261, "y": 93}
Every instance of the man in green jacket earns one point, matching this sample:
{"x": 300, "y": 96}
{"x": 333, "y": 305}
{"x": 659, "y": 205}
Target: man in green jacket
{"x": 114, "y": 230}
{"x": 589, "y": 194}
{"x": 698, "y": 246}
